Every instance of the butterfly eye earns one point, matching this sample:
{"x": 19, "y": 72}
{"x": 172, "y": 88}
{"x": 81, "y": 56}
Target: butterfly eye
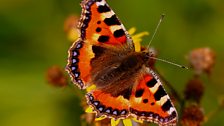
{"x": 145, "y": 56}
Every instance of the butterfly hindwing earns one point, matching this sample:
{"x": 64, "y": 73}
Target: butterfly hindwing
{"x": 149, "y": 101}
{"x": 80, "y": 55}
{"x": 105, "y": 104}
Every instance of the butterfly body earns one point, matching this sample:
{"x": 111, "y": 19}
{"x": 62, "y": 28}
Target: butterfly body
{"x": 111, "y": 67}
{"x": 105, "y": 56}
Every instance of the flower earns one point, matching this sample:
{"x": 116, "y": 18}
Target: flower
{"x": 56, "y": 76}
{"x": 202, "y": 60}
{"x": 194, "y": 90}
{"x": 193, "y": 115}
{"x": 126, "y": 122}
{"x": 137, "y": 38}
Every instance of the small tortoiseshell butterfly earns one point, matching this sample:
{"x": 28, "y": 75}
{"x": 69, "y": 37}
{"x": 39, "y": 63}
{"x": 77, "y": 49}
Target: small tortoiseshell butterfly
{"x": 104, "y": 55}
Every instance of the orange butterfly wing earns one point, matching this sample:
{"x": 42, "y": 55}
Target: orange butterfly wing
{"x": 105, "y": 104}
{"x": 149, "y": 101}
{"x": 98, "y": 25}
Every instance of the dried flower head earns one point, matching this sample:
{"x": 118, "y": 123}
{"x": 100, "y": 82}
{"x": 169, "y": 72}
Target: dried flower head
{"x": 194, "y": 90}
{"x": 202, "y": 60}
{"x": 56, "y": 76}
{"x": 193, "y": 115}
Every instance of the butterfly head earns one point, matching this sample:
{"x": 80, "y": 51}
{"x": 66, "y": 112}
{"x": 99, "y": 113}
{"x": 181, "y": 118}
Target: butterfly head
{"x": 146, "y": 56}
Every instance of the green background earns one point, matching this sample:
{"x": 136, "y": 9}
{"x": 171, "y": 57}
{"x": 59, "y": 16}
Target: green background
{"x": 32, "y": 39}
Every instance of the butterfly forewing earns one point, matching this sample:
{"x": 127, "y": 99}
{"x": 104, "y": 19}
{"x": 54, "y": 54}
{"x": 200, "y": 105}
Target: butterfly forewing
{"x": 98, "y": 26}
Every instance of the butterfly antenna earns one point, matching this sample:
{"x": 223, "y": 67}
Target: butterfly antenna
{"x": 157, "y": 27}
{"x": 165, "y": 61}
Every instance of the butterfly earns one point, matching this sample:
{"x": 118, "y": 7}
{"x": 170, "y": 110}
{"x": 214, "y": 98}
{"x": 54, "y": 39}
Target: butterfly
{"x": 104, "y": 55}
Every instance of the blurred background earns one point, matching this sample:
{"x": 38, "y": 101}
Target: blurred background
{"x": 33, "y": 39}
